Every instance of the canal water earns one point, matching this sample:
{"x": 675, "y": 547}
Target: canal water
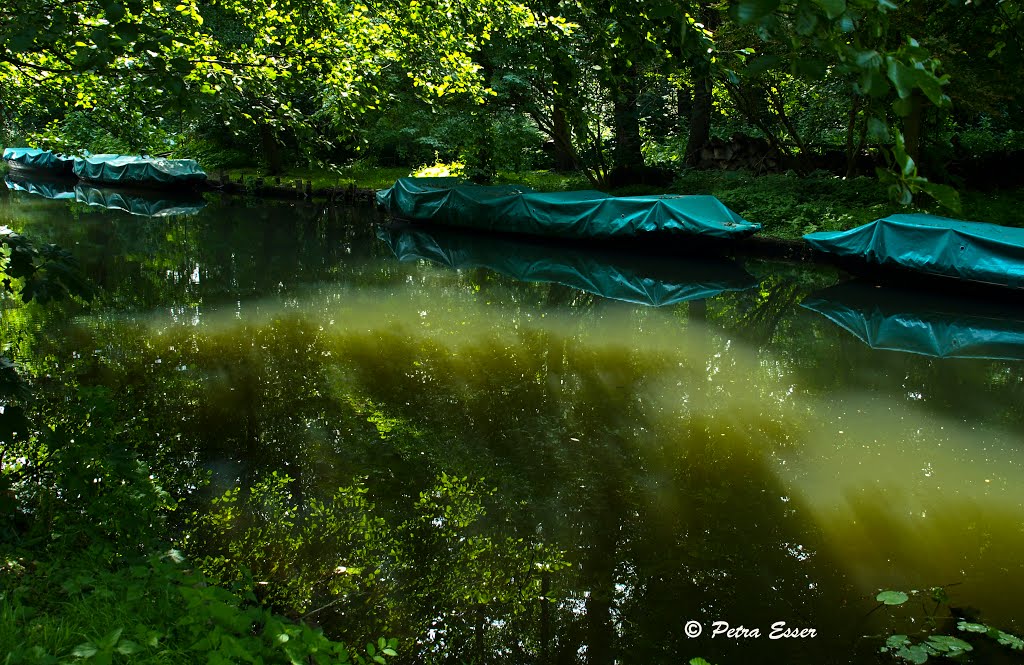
{"x": 498, "y": 453}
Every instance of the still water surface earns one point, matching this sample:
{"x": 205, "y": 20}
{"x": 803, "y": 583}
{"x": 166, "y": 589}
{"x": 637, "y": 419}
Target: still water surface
{"x": 727, "y": 456}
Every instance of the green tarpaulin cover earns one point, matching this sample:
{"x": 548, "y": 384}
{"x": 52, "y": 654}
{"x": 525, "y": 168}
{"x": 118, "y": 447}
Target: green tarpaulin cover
{"x": 616, "y": 275}
{"x": 581, "y": 214}
{"x": 933, "y": 245}
{"x": 55, "y": 189}
{"x": 129, "y": 170}
{"x": 922, "y": 323}
{"x": 145, "y": 204}
{"x": 33, "y": 158}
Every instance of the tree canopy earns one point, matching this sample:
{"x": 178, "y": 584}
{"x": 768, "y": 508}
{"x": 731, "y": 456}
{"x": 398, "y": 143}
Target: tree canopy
{"x": 610, "y": 87}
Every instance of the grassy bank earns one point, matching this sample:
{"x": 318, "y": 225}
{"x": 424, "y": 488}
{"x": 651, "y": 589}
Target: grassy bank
{"x": 787, "y": 205}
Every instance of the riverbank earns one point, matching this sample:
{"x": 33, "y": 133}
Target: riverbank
{"x": 788, "y": 206}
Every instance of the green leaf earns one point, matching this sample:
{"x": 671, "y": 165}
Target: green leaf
{"x": 868, "y": 59}
{"x": 833, "y": 8}
{"x": 806, "y": 21}
{"x": 878, "y": 130}
{"x": 86, "y": 650}
{"x": 114, "y": 12}
{"x": 908, "y": 168}
{"x": 894, "y": 597}
{"x": 872, "y": 83}
{"x": 108, "y": 642}
{"x": 972, "y": 627}
{"x": 698, "y": 661}
{"x": 1008, "y": 640}
{"x": 897, "y": 641}
{"x": 754, "y": 10}
{"x": 903, "y": 77}
{"x": 947, "y": 643}
{"x": 916, "y": 654}
{"x": 127, "y": 648}
{"x": 947, "y": 197}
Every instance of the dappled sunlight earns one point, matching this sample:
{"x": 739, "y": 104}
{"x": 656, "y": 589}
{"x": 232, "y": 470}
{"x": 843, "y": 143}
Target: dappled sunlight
{"x": 908, "y": 500}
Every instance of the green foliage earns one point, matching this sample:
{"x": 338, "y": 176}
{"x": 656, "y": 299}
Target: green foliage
{"x": 892, "y": 597}
{"x": 86, "y": 511}
{"x": 1003, "y": 638}
{"x": 789, "y": 206}
{"x": 440, "y": 170}
{"x": 903, "y": 181}
{"x": 152, "y": 610}
{"x": 43, "y": 273}
{"x": 919, "y": 649}
{"x": 435, "y": 562}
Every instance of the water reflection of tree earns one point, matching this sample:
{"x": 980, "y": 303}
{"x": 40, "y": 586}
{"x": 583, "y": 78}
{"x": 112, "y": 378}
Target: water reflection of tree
{"x": 567, "y": 432}
{"x": 663, "y": 519}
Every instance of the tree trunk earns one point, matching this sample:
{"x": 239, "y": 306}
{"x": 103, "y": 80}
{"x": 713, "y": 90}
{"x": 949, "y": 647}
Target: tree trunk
{"x": 700, "y": 119}
{"x": 271, "y": 150}
{"x": 564, "y": 158}
{"x": 628, "y": 155}
{"x": 912, "y": 127}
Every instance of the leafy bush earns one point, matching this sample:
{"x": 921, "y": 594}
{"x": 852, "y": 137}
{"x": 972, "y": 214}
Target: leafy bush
{"x": 85, "y": 609}
{"x": 789, "y": 206}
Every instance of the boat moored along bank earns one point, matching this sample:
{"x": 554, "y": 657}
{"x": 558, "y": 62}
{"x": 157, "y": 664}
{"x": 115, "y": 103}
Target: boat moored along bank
{"x": 136, "y": 171}
{"x": 928, "y": 245}
{"x": 586, "y": 214}
{"x": 34, "y": 159}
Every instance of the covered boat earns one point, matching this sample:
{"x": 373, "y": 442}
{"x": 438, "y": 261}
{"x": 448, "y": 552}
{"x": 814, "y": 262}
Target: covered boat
{"x": 585, "y": 214}
{"x": 915, "y": 322}
{"x": 142, "y": 203}
{"x": 37, "y": 160}
{"x": 617, "y": 275}
{"x": 56, "y": 188}
{"x": 136, "y": 171}
{"x": 931, "y": 245}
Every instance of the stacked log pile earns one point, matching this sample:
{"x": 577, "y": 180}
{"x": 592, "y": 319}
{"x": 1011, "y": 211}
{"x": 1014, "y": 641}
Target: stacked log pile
{"x": 740, "y": 152}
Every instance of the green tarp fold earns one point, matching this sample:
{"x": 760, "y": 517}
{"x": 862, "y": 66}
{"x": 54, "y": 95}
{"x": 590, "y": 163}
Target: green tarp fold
{"x": 144, "y": 204}
{"x": 652, "y": 281}
{"x": 575, "y": 215}
{"x": 933, "y": 245}
{"x": 915, "y": 322}
{"x": 50, "y": 189}
{"x": 34, "y": 158}
{"x": 132, "y": 170}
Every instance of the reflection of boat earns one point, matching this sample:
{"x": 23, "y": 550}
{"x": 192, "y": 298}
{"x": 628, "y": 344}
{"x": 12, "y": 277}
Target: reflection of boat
{"x": 930, "y": 245}
{"x": 611, "y": 274}
{"x": 135, "y": 171}
{"x": 35, "y": 159}
{"x": 916, "y": 322}
{"x": 50, "y": 188}
{"x": 145, "y": 203}
{"x": 575, "y": 215}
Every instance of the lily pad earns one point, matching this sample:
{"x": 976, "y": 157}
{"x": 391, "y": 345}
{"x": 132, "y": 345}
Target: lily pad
{"x": 892, "y": 597}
